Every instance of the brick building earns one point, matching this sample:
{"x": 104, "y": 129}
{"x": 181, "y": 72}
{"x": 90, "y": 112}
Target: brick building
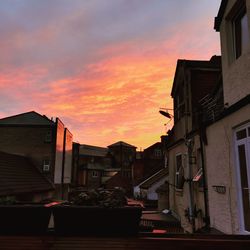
{"x": 193, "y": 80}
{"x": 47, "y": 143}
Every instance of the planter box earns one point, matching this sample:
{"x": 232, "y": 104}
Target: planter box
{"x": 24, "y": 219}
{"x": 83, "y": 220}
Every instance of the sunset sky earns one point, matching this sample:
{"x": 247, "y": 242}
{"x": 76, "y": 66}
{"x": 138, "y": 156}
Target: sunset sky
{"x": 104, "y": 67}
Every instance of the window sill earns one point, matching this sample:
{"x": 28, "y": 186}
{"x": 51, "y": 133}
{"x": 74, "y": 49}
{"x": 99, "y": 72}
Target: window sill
{"x": 179, "y": 191}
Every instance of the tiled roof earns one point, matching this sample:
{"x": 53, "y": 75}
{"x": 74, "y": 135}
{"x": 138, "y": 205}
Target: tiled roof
{"x": 121, "y": 143}
{"x": 118, "y": 180}
{"x": 154, "y": 178}
{"x": 18, "y": 175}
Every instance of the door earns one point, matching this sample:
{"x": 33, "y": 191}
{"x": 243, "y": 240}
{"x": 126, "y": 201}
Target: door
{"x": 242, "y": 137}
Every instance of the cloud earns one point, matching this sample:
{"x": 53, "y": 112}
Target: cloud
{"x": 105, "y": 67}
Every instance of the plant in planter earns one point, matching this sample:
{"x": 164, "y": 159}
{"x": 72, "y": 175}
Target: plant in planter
{"x": 97, "y": 212}
{"x": 17, "y": 218}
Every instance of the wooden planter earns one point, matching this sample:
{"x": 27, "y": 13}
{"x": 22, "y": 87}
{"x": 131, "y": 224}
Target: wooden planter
{"x": 83, "y": 220}
{"x": 24, "y": 219}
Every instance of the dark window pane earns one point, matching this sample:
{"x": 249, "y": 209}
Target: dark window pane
{"x": 244, "y": 185}
{"x": 178, "y": 162}
{"x": 244, "y": 33}
{"x": 241, "y": 134}
{"x": 241, "y": 33}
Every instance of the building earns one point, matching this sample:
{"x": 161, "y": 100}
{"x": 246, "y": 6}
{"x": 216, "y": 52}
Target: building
{"x": 95, "y": 167}
{"x": 21, "y": 181}
{"x": 47, "y": 143}
{"x": 228, "y": 136}
{"x": 94, "y": 164}
{"x": 193, "y": 81}
{"x": 123, "y": 156}
{"x": 147, "y": 188}
{"x": 149, "y": 164}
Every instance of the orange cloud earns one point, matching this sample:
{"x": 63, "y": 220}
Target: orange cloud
{"x": 102, "y": 93}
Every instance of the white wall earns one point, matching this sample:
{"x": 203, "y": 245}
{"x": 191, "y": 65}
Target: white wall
{"x": 222, "y": 170}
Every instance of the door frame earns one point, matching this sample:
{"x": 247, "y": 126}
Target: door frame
{"x": 246, "y": 142}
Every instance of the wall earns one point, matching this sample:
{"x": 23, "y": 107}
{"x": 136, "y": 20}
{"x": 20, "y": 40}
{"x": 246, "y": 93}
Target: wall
{"x": 68, "y": 156}
{"x": 123, "y": 155}
{"x": 221, "y": 170}
{"x": 151, "y": 194}
{"x": 236, "y": 73}
{"x": 179, "y": 198}
{"x": 28, "y": 141}
{"x": 93, "y": 181}
{"x": 59, "y": 151}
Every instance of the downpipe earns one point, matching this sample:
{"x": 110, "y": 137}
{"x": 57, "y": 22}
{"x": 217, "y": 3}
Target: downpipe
{"x": 189, "y": 144}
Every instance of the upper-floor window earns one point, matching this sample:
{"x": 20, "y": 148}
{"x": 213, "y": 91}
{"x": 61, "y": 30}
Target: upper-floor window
{"x": 179, "y": 104}
{"x": 95, "y": 173}
{"x": 157, "y": 153}
{"x": 179, "y": 173}
{"x": 241, "y": 33}
{"x": 240, "y": 30}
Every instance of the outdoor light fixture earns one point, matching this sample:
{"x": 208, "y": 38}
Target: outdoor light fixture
{"x": 166, "y": 113}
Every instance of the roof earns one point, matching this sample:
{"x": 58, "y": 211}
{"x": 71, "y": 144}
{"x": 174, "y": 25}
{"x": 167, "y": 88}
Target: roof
{"x": 155, "y": 145}
{"x": 28, "y": 118}
{"x": 118, "y": 180}
{"x": 18, "y": 175}
{"x": 154, "y": 178}
{"x": 213, "y": 63}
{"x": 218, "y": 18}
{"x": 121, "y": 143}
{"x": 92, "y": 150}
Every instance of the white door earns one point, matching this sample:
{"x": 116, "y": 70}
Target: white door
{"x": 242, "y": 138}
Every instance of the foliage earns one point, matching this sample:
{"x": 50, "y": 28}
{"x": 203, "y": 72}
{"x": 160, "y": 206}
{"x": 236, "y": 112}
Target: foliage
{"x": 101, "y": 197}
{"x": 7, "y": 200}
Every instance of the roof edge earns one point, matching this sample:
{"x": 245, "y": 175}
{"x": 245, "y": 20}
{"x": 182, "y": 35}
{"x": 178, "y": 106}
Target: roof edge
{"x": 218, "y": 18}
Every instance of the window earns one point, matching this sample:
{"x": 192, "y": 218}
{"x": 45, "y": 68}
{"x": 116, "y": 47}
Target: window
{"x": 48, "y": 137}
{"x": 179, "y": 103}
{"x": 95, "y": 174}
{"x": 239, "y": 21}
{"x": 241, "y": 33}
{"x": 158, "y": 153}
{"x": 241, "y": 134}
{"x": 179, "y": 175}
{"x": 46, "y": 165}
{"x": 199, "y": 175}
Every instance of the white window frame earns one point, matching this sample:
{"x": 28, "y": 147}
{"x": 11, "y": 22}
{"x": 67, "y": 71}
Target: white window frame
{"x": 177, "y": 172}
{"x": 95, "y": 174}
{"x": 237, "y": 142}
{"x": 46, "y": 165}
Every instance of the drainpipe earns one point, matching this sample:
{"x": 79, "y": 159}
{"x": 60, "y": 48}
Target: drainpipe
{"x": 189, "y": 144}
{"x": 204, "y": 184}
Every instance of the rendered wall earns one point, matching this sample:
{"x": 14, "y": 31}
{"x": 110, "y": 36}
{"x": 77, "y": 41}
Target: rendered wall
{"x": 221, "y": 170}
{"x": 236, "y": 73}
